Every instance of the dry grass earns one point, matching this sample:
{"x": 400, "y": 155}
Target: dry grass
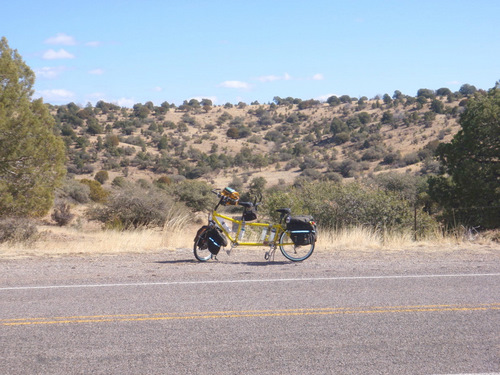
{"x": 60, "y": 241}
{"x": 55, "y": 241}
{"x": 364, "y": 238}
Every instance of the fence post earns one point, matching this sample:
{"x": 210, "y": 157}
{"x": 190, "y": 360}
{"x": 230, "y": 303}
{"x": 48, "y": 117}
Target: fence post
{"x": 415, "y": 221}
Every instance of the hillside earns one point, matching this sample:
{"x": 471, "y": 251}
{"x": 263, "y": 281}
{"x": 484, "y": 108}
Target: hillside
{"x": 281, "y": 141}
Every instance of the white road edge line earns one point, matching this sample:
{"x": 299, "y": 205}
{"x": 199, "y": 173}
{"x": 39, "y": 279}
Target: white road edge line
{"x": 166, "y": 283}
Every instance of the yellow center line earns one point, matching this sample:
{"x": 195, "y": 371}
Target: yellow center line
{"x": 246, "y": 314}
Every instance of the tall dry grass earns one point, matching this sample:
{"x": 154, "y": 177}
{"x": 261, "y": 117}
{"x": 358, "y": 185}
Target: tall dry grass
{"x": 366, "y": 238}
{"x": 63, "y": 241}
{"x": 179, "y": 234}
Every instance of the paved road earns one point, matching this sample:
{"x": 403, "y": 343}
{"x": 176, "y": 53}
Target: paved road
{"x": 357, "y": 313}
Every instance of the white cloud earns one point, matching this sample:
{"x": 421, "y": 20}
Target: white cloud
{"x": 318, "y": 77}
{"x": 323, "y": 98}
{"x": 49, "y": 72}
{"x": 272, "y": 78}
{"x": 97, "y": 71}
{"x": 61, "y": 54}
{"x": 125, "y": 102}
{"x": 157, "y": 89}
{"x": 235, "y": 85}
{"x": 61, "y": 39}
{"x": 56, "y": 94}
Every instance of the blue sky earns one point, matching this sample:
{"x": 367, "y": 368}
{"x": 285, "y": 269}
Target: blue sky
{"x": 129, "y": 52}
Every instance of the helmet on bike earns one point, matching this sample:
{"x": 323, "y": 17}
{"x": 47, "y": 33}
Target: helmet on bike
{"x": 231, "y": 196}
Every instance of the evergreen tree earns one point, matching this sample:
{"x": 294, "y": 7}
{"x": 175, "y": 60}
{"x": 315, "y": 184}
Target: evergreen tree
{"x": 471, "y": 192}
{"x": 31, "y": 155}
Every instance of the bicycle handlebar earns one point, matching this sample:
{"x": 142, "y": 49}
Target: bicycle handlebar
{"x": 217, "y": 192}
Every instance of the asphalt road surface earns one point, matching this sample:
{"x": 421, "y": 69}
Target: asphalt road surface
{"x": 406, "y": 312}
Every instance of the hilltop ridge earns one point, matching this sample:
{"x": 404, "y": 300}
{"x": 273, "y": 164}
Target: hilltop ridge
{"x": 282, "y": 141}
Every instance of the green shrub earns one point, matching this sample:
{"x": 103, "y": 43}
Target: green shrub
{"x": 119, "y": 181}
{"x": 197, "y": 195}
{"x": 342, "y": 137}
{"x": 411, "y": 158}
{"x": 406, "y": 185}
{"x": 333, "y": 176}
{"x": 101, "y": 177}
{"x": 349, "y": 168}
{"x": 14, "y": 229}
{"x": 62, "y": 214}
{"x": 391, "y": 158}
{"x": 310, "y": 163}
{"x": 233, "y": 133}
{"x": 164, "y": 180}
{"x": 256, "y": 186}
{"x": 311, "y": 173}
{"x": 97, "y": 193}
{"x": 337, "y": 205}
{"x": 372, "y": 154}
{"x": 73, "y": 189}
{"x": 133, "y": 207}
{"x": 276, "y": 198}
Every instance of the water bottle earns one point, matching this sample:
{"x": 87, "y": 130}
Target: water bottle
{"x": 242, "y": 231}
{"x": 235, "y": 227}
{"x": 263, "y": 235}
{"x": 272, "y": 234}
{"x": 224, "y": 225}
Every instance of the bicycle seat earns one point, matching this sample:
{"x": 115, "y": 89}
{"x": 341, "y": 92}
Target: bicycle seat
{"x": 286, "y": 211}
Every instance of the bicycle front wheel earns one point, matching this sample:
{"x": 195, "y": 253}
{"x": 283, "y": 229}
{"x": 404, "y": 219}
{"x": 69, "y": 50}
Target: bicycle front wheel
{"x": 294, "y": 252}
{"x": 200, "y": 249}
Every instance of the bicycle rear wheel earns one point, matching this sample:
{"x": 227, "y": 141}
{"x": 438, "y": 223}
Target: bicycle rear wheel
{"x": 294, "y": 252}
{"x": 200, "y": 248}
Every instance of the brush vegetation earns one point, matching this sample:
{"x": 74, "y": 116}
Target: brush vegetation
{"x": 389, "y": 164}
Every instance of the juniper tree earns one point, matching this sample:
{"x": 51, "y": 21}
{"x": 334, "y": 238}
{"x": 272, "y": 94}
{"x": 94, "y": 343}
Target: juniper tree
{"x": 470, "y": 193}
{"x": 31, "y": 154}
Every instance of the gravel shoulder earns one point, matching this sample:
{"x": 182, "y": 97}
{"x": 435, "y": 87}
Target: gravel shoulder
{"x": 175, "y": 265}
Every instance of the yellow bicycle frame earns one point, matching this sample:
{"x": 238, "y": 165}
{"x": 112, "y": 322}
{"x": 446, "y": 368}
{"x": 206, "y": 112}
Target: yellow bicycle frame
{"x": 234, "y": 240}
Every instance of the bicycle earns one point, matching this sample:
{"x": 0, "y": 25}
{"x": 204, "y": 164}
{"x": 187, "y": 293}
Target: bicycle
{"x": 295, "y": 242}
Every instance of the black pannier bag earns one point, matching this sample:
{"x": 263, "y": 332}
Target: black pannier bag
{"x": 215, "y": 240}
{"x": 302, "y": 230}
{"x": 249, "y": 214}
{"x": 201, "y": 237}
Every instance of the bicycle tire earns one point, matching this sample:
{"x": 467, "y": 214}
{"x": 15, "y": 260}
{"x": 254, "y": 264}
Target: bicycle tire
{"x": 293, "y": 252}
{"x": 200, "y": 248}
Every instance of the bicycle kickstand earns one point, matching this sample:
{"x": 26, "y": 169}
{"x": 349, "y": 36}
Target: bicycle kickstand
{"x": 228, "y": 251}
{"x": 270, "y": 254}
